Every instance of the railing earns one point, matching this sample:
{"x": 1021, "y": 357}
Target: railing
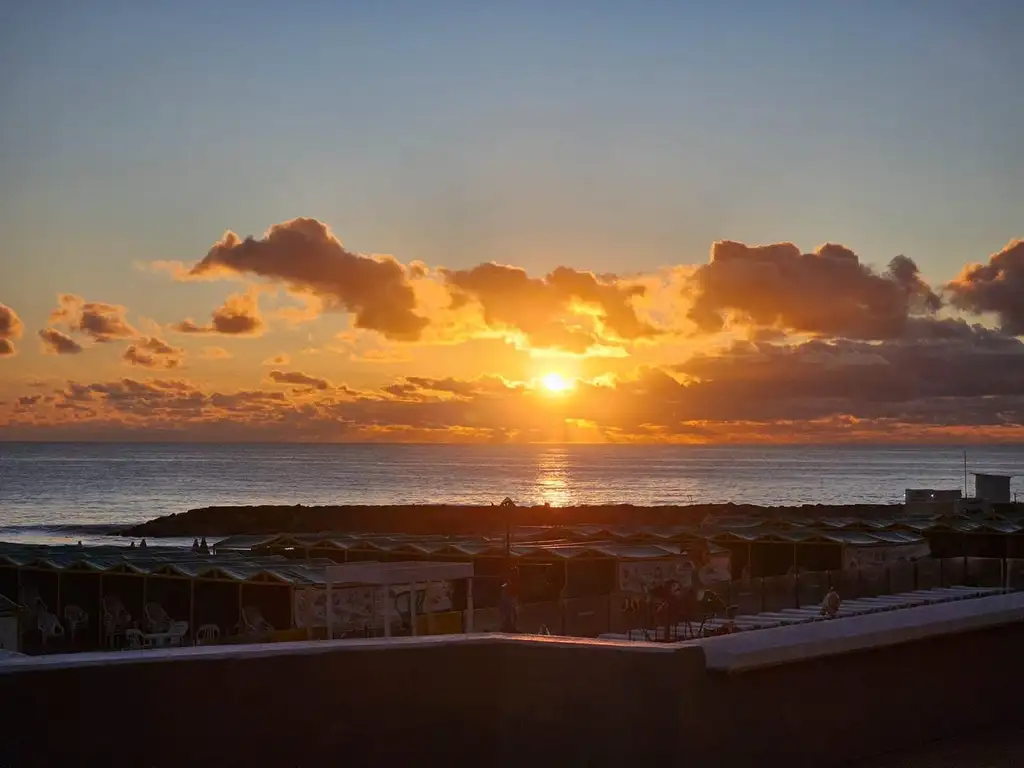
{"x": 777, "y": 593}
{"x": 617, "y": 612}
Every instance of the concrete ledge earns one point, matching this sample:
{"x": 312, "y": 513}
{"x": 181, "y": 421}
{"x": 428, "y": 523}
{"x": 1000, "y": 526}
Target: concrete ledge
{"x": 802, "y": 642}
{"x": 514, "y": 700}
{"x": 15, "y": 664}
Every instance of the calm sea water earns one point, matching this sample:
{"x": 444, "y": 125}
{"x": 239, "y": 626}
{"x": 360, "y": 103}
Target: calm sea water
{"x": 79, "y": 491}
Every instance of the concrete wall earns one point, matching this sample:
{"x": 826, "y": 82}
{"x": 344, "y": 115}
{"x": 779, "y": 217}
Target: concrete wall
{"x": 503, "y": 701}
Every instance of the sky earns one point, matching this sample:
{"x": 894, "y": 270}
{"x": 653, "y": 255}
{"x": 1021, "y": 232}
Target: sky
{"x": 535, "y": 222}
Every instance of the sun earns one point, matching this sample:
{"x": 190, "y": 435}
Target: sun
{"x": 555, "y": 382}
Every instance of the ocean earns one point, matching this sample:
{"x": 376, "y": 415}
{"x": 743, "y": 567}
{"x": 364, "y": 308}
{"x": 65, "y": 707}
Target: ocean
{"x": 68, "y": 492}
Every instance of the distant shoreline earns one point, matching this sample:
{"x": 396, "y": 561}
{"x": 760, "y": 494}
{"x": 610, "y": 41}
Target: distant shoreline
{"x": 453, "y": 519}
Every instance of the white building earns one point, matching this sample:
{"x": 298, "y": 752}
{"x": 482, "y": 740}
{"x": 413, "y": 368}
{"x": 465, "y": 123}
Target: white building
{"x": 992, "y": 488}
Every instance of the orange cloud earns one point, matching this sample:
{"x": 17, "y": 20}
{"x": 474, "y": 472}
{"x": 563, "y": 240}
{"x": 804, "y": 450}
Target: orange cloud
{"x": 100, "y": 321}
{"x": 308, "y": 258}
{"x": 152, "y": 352}
{"x": 828, "y": 292}
{"x": 215, "y": 353}
{"x": 239, "y": 316}
{"x": 569, "y": 310}
{"x": 281, "y": 359}
{"x": 299, "y": 379}
{"x": 11, "y": 328}
{"x": 996, "y": 287}
{"x": 57, "y": 343}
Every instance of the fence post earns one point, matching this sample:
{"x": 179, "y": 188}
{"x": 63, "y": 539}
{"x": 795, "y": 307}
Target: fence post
{"x": 762, "y": 595}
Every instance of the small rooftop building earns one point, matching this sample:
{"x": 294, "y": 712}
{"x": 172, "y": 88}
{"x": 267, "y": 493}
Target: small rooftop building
{"x": 929, "y": 500}
{"x": 931, "y": 496}
{"x": 993, "y": 488}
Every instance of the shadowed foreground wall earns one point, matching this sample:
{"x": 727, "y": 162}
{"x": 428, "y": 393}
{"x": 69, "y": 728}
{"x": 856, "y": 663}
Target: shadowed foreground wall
{"x": 505, "y": 701}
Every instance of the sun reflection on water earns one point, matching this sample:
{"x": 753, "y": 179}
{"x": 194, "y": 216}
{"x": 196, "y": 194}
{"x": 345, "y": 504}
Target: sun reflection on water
{"x": 554, "y": 477}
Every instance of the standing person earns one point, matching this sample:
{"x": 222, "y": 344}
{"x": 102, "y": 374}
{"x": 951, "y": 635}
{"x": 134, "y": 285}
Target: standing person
{"x": 508, "y": 610}
{"x": 830, "y": 605}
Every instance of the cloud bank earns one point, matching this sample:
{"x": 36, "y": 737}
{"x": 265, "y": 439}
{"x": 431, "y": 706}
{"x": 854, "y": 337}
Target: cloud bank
{"x": 763, "y": 343}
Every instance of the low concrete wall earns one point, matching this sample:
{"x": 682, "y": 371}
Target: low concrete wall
{"x": 518, "y": 700}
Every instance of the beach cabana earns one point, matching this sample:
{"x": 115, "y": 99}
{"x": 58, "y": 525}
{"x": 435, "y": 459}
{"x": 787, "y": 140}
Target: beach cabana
{"x": 421, "y": 596}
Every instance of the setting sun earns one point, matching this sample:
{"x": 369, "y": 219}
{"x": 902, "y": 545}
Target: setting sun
{"x": 556, "y": 382}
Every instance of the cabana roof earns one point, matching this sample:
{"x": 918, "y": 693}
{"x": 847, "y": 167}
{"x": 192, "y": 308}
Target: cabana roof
{"x": 8, "y": 606}
{"x": 841, "y": 538}
{"x": 752, "y": 527}
{"x": 166, "y": 562}
{"x": 639, "y": 545}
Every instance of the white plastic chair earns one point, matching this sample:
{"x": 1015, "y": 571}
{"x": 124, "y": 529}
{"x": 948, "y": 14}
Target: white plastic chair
{"x": 253, "y": 622}
{"x": 157, "y": 618}
{"x": 49, "y": 626}
{"x": 177, "y": 631}
{"x": 208, "y": 634}
{"x": 76, "y": 619}
{"x": 136, "y": 640}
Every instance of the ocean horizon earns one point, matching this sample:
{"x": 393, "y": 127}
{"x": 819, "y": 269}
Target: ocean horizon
{"x": 71, "y": 491}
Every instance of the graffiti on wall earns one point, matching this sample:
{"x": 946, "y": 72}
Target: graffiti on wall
{"x": 869, "y": 557}
{"x": 640, "y": 577}
{"x": 360, "y": 607}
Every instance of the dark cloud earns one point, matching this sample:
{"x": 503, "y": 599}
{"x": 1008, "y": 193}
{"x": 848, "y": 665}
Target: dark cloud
{"x": 828, "y": 292}
{"x": 11, "y": 328}
{"x": 305, "y": 255}
{"x": 459, "y": 387}
{"x": 947, "y": 380}
{"x": 996, "y": 287}
{"x": 239, "y": 316}
{"x": 940, "y": 367}
{"x": 299, "y": 379}
{"x": 543, "y": 308}
{"x": 102, "y": 322}
{"x": 57, "y": 343}
{"x": 151, "y": 352}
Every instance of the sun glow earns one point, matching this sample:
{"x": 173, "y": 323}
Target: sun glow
{"x": 555, "y": 382}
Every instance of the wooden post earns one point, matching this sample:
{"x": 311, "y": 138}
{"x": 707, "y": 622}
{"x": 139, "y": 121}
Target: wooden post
{"x": 241, "y": 612}
{"x": 192, "y": 611}
{"x": 412, "y": 609}
{"x": 468, "y": 628}
{"x": 101, "y": 613}
{"x": 565, "y": 596}
{"x": 329, "y": 612}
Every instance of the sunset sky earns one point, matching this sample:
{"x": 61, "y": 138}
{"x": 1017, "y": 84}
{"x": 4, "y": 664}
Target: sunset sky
{"x": 501, "y": 222}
